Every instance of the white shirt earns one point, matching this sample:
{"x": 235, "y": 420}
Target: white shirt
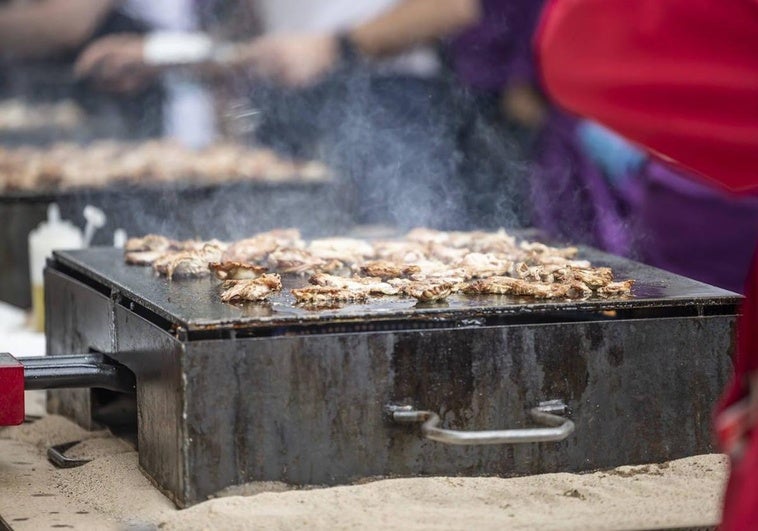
{"x": 284, "y": 16}
{"x": 317, "y": 15}
{"x": 178, "y": 15}
{"x": 188, "y": 112}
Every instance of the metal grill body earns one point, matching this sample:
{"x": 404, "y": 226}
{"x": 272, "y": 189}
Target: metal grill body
{"x": 230, "y": 394}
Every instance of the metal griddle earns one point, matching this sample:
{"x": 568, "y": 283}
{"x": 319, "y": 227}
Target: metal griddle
{"x": 227, "y": 394}
{"x": 195, "y": 304}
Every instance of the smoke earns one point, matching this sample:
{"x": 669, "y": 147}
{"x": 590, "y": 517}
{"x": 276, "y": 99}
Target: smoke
{"x": 411, "y": 151}
{"x": 404, "y": 151}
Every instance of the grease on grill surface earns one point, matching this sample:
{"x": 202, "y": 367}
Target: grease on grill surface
{"x": 426, "y": 264}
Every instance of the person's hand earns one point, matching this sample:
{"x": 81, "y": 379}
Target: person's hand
{"x": 115, "y": 63}
{"x": 291, "y": 59}
{"x": 523, "y": 105}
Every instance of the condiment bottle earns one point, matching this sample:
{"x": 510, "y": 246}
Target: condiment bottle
{"x": 49, "y": 235}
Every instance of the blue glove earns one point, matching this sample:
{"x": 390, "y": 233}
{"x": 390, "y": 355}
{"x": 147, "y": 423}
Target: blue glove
{"x": 616, "y": 157}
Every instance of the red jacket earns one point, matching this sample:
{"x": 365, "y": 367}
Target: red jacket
{"x": 679, "y": 77}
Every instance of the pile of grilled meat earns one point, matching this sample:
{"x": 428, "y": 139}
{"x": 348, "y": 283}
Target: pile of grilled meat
{"x": 68, "y": 166}
{"x": 427, "y": 265}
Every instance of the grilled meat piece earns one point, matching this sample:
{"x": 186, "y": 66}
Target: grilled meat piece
{"x": 475, "y": 241}
{"x": 289, "y": 260}
{"x": 575, "y": 289}
{"x": 386, "y": 270}
{"x": 345, "y": 250}
{"x": 192, "y": 263}
{"x": 400, "y": 252}
{"x": 430, "y": 291}
{"x": 251, "y": 289}
{"x": 524, "y": 288}
{"x": 446, "y": 254}
{"x": 143, "y": 258}
{"x": 595, "y": 277}
{"x": 428, "y": 268}
{"x": 559, "y": 261}
{"x": 257, "y": 248}
{"x": 236, "y": 270}
{"x": 615, "y": 289}
{"x": 146, "y": 250}
{"x": 492, "y": 242}
{"x": 326, "y": 295}
{"x": 150, "y": 242}
{"x": 375, "y": 286}
{"x": 480, "y": 265}
{"x": 542, "y": 249}
{"x": 523, "y": 271}
{"x": 152, "y": 249}
{"x": 495, "y": 286}
{"x": 427, "y": 290}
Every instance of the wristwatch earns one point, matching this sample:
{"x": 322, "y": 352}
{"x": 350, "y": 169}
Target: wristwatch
{"x": 348, "y": 51}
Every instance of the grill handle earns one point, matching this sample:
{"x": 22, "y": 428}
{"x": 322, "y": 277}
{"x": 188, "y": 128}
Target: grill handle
{"x": 56, "y": 372}
{"x": 86, "y": 370}
{"x": 546, "y": 413}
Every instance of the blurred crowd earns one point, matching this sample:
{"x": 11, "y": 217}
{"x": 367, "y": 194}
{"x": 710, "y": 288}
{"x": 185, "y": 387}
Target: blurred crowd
{"x": 430, "y": 108}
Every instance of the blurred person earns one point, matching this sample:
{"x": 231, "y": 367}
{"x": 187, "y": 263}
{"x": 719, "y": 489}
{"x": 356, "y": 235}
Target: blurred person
{"x": 39, "y": 40}
{"x": 354, "y": 83}
{"x": 674, "y": 222}
{"x": 117, "y": 63}
{"x": 49, "y": 28}
{"x": 694, "y": 229}
{"x": 568, "y": 195}
{"x": 361, "y": 85}
{"x": 687, "y": 95}
{"x": 591, "y": 185}
{"x": 61, "y": 29}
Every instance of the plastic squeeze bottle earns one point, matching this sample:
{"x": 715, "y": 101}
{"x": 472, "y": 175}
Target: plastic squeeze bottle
{"x": 49, "y": 235}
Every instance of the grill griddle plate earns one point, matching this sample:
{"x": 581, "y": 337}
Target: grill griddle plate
{"x": 195, "y": 304}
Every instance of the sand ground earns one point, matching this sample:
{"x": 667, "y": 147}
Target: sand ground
{"x": 110, "y": 492}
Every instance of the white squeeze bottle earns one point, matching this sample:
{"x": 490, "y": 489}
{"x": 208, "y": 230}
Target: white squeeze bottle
{"x": 48, "y": 236}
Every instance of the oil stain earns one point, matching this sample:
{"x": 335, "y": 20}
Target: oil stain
{"x": 435, "y": 371}
{"x": 565, "y": 368}
{"x": 615, "y": 355}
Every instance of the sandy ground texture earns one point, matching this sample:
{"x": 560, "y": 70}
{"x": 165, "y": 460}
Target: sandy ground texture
{"x": 110, "y": 492}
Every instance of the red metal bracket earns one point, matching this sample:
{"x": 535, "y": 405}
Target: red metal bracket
{"x": 11, "y": 391}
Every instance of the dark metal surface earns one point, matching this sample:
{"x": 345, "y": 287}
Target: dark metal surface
{"x": 310, "y": 410}
{"x": 87, "y": 370}
{"x": 195, "y": 304}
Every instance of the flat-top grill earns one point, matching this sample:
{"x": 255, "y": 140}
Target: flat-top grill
{"x": 194, "y": 305}
{"x": 272, "y": 391}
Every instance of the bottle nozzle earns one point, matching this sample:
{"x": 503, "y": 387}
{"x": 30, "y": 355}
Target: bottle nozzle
{"x": 53, "y": 214}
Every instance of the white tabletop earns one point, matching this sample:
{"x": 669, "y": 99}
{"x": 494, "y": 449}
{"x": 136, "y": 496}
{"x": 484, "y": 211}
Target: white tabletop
{"x": 15, "y": 335}
{"x": 18, "y": 339}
